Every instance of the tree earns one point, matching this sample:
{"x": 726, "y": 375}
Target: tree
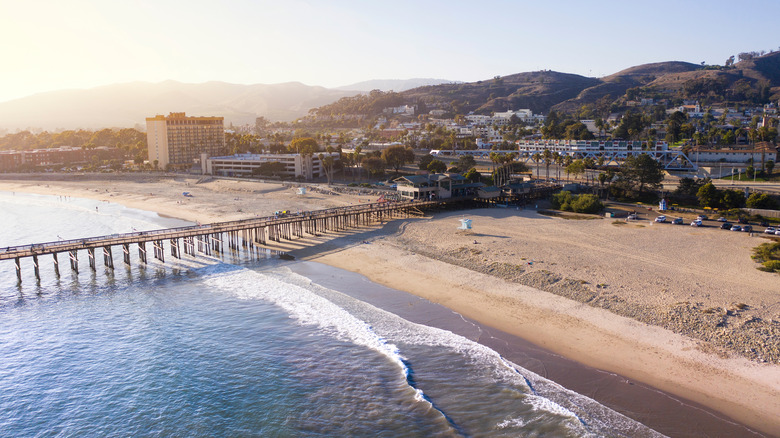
{"x": 374, "y": 165}
{"x": 638, "y": 174}
{"x": 327, "y": 166}
{"x": 708, "y": 195}
{"x": 687, "y": 190}
{"x": 577, "y": 131}
{"x": 303, "y": 146}
{"x": 537, "y": 158}
{"x": 397, "y": 156}
{"x": 674, "y": 126}
{"x": 425, "y": 160}
{"x": 472, "y": 175}
{"x": 465, "y": 162}
{"x": 576, "y": 167}
{"x": 761, "y": 200}
{"x": 770, "y": 165}
{"x": 437, "y": 166}
{"x": 547, "y": 156}
{"x": 731, "y": 199}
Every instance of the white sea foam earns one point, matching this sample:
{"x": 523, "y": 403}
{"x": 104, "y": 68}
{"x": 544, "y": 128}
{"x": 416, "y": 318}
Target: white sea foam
{"x": 363, "y": 324}
{"x": 541, "y": 394}
{"x": 308, "y": 309}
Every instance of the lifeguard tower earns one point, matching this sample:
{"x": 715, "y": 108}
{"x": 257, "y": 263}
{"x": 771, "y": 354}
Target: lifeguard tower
{"x": 465, "y": 224}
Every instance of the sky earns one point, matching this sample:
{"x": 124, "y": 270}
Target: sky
{"x": 75, "y": 44}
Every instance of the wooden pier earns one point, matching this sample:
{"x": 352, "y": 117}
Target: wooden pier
{"x": 212, "y": 238}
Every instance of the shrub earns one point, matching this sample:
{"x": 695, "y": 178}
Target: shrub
{"x": 586, "y": 204}
{"x": 771, "y": 266}
{"x": 762, "y": 200}
{"x": 560, "y": 199}
{"x": 580, "y": 203}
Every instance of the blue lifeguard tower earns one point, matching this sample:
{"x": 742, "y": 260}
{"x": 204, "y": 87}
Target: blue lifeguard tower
{"x": 662, "y": 205}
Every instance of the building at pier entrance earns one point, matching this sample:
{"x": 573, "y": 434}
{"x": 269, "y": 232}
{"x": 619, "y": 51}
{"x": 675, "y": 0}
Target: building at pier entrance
{"x": 179, "y": 141}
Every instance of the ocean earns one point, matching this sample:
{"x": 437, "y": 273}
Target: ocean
{"x": 244, "y": 344}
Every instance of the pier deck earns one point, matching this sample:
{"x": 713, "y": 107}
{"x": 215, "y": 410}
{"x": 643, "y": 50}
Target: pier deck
{"x": 209, "y": 237}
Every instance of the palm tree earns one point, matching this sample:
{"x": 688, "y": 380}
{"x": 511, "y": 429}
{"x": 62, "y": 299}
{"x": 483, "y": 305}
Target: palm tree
{"x": 558, "y": 159}
{"x": 566, "y": 162}
{"x": 537, "y": 158}
{"x": 547, "y": 155}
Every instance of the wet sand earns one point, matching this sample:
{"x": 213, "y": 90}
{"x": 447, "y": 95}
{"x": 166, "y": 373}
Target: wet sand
{"x": 663, "y": 412}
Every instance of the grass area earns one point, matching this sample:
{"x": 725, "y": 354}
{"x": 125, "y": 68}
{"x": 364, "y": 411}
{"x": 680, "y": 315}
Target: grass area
{"x": 564, "y": 215}
{"x": 743, "y": 177}
{"x": 768, "y": 254}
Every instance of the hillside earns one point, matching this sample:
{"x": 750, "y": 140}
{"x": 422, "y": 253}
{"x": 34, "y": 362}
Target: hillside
{"x": 752, "y": 81}
{"x": 538, "y": 91}
{"x": 125, "y": 105}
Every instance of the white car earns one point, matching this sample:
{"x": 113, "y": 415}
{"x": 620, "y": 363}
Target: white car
{"x": 696, "y": 223}
{"x": 661, "y": 219}
{"x": 777, "y": 233}
{"x": 770, "y": 230}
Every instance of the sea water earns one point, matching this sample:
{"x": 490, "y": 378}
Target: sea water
{"x": 240, "y": 345}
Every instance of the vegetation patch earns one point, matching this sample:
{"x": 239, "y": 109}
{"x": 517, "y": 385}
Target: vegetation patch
{"x": 768, "y": 254}
{"x": 585, "y": 203}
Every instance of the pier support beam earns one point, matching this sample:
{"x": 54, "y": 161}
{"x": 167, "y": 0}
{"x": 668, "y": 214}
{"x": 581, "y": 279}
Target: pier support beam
{"x": 175, "y": 248}
{"x": 126, "y": 253}
{"x": 74, "y": 261}
{"x": 36, "y": 267}
{"x": 142, "y": 251}
{"x": 91, "y": 254}
{"x": 108, "y": 257}
{"x": 18, "y": 270}
{"x": 56, "y": 265}
{"x": 159, "y": 253}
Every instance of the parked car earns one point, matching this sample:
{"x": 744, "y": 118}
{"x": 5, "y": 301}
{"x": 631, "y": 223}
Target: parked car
{"x": 764, "y": 223}
{"x": 770, "y": 230}
{"x": 632, "y": 216}
{"x": 696, "y": 223}
{"x": 736, "y": 228}
{"x": 677, "y": 221}
{"x": 725, "y": 226}
{"x": 747, "y": 229}
{"x": 777, "y": 233}
{"x": 660, "y": 219}
{"x": 742, "y": 220}
{"x": 702, "y": 217}
{"x": 721, "y": 219}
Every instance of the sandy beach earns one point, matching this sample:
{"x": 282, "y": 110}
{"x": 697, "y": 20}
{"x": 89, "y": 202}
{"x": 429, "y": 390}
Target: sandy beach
{"x": 682, "y": 309}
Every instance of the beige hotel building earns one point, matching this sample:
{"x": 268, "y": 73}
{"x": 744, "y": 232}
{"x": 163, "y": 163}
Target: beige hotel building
{"x": 179, "y": 140}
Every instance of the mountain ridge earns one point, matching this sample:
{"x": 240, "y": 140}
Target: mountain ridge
{"x": 751, "y": 80}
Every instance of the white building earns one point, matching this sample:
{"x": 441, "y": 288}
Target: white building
{"x": 610, "y": 151}
{"x": 732, "y": 156}
{"x": 295, "y": 165}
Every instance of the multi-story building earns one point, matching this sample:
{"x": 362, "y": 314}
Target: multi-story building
{"x": 294, "y": 165}
{"x": 14, "y": 160}
{"x": 179, "y": 140}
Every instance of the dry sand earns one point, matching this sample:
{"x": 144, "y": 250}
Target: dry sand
{"x": 679, "y": 308}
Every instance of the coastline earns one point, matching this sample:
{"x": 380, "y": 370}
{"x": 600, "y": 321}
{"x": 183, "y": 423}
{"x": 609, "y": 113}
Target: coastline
{"x": 745, "y": 390}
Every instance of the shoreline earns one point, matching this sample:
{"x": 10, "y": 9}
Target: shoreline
{"x": 734, "y": 387}
{"x": 745, "y": 390}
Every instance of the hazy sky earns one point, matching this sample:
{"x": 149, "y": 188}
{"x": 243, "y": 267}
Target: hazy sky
{"x": 59, "y": 44}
